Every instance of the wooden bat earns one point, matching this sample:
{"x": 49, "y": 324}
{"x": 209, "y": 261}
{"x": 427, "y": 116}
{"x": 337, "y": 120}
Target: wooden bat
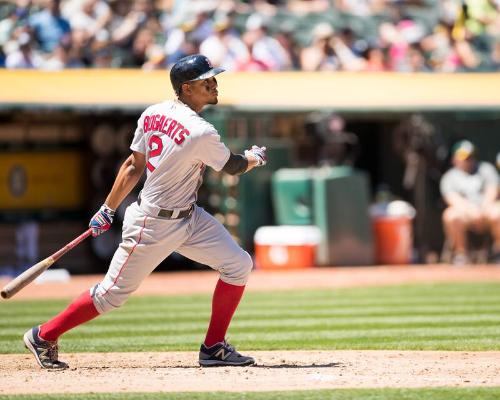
{"x": 36, "y": 270}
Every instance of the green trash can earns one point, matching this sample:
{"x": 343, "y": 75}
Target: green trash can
{"x": 341, "y": 210}
{"x": 291, "y": 190}
{"x": 253, "y": 192}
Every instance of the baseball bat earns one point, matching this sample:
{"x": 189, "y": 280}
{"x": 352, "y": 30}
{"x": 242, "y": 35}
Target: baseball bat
{"x": 36, "y": 270}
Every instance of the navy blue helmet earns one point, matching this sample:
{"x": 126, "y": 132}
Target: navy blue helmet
{"x": 192, "y": 68}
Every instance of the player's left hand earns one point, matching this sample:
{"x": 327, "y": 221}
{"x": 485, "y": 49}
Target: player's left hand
{"x": 259, "y": 153}
{"x": 102, "y": 220}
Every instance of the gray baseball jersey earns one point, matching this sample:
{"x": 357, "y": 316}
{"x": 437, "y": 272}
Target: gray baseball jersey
{"x": 470, "y": 186}
{"x": 178, "y": 143}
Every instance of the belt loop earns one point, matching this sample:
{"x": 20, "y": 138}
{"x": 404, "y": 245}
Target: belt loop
{"x": 175, "y": 213}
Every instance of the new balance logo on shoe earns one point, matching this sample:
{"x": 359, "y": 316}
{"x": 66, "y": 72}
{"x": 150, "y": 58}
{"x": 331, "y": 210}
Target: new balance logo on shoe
{"x": 222, "y": 354}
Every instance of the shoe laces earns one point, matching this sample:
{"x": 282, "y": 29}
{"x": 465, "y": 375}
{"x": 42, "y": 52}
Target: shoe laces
{"x": 52, "y": 350}
{"x": 229, "y": 346}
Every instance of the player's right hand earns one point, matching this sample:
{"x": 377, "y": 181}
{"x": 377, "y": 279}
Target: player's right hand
{"x": 102, "y": 220}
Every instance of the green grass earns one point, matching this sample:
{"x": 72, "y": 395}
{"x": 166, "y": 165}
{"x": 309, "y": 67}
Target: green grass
{"x": 411, "y": 317}
{"x": 339, "y": 394}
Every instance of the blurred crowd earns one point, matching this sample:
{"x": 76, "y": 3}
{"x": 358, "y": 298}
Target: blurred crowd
{"x": 253, "y": 35}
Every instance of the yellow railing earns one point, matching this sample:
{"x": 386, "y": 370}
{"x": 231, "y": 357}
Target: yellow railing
{"x": 284, "y": 90}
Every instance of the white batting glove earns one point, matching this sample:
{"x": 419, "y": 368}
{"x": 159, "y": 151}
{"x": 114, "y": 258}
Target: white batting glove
{"x": 259, "y": 153}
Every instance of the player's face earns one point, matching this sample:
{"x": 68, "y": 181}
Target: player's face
{"x": 205, "y": 91}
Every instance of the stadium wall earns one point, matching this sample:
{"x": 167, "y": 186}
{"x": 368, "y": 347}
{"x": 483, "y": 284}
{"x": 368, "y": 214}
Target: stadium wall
{"x": 85, "y": 120}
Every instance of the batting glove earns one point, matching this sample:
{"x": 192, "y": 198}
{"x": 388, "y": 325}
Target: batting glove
{"x": 259, "y": 153}
{"x": 102, "y": 220}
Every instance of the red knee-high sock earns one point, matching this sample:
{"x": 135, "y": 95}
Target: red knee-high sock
{"x": 226, "y": 299}
{"x": 79, "y": 311}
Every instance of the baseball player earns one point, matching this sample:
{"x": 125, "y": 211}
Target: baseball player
{"x": 174, "y": 144}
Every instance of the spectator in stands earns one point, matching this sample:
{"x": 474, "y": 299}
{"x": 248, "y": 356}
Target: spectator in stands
{"x": 470, "y": 190}
{"x": 347, "y": 53}
{"x": 415, "y": 59}
{"x": 320, "y": 55}
{"x": 91, "y": 16}
{"x": 285, "y": 38}
{"x": 188, "y": 47}
{"x": 126, "y": 27}
{"x": 353, "y": 35}
{"x": 266, "y": 48}
{"x": 249, "y": 62}
{"x": 439, "y": 45}
{"x": 25, "y": 57}
{"x": 62, "y": 57}
{"x": 480, "y": 16}
{"x": 470, "y": 30}
{"x": 469, "y": 58}
{"x": 11, "y": 29}
{"x": 186, "y": 37}
{"x": 375, "y": 59}
{"x": 355, "y": 43}
{"x": 84, "y": 48}
{"x": 16, "y": 17}
{"x": 145, "y": 52}
{"x": 49, "y": 27}
{"x": 224, "y": 47}
{"x": 402, "y": 42}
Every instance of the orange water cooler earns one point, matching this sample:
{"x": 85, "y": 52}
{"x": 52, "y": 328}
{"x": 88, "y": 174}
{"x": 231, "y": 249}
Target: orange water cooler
{"x": 286, "y": 247}
{"x": 393, "y": 240}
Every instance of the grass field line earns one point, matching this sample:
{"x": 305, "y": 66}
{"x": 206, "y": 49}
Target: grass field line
{"x": 249, "y": 311}
{"x": 333, "y": 323}
{"x": 248, "y": 341}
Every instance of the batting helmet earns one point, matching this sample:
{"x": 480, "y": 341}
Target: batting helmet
{"x": 192, "y": 68}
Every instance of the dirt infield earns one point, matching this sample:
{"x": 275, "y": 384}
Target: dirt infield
{"x": 278, "y": 370}
{"x": 292, "y": 370}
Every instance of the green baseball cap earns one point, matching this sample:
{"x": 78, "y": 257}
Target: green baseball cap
{"x": 463, "y": 150}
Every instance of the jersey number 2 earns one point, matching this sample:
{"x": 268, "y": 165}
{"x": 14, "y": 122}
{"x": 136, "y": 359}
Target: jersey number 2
{"x": 155, "y": 149}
